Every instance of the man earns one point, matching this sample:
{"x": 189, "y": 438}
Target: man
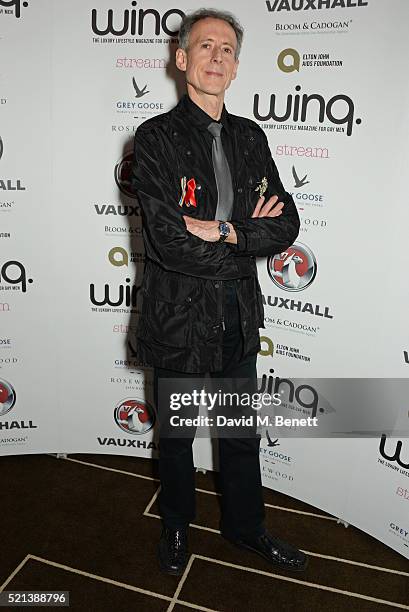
{"x": 211, "y": 201}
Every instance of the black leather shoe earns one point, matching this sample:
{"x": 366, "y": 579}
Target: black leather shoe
{"x": 276, "y": 551}
{"x": 172, "y": 551}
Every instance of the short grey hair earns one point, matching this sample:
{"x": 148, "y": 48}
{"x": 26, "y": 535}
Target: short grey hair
{"x": 191, "y": 18}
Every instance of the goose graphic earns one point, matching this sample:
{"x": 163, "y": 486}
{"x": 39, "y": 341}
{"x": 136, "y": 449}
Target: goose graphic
{"x": 139, "y": 92}
{"x": 270, "y": 441}
{"x": 299, "y": 182}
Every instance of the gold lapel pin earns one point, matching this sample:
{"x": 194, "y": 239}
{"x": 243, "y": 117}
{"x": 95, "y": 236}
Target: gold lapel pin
{"x": 262, "y": 187}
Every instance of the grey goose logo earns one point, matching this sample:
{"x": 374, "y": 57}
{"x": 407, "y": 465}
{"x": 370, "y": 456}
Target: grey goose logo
{"x": 139, "y": 92}
{"x": 299, "y": 182}
{"x": 270, "y": 441}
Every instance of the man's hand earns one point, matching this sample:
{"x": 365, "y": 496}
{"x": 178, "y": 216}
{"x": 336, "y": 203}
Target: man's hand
{"x": 209, "y": 230}
{"x": 272, "y": 208}
{"x": 206, "y": 230}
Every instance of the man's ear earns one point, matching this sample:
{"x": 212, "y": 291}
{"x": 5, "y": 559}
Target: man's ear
{"x": 235, "y": 70}
{"x": 181, "y": 59}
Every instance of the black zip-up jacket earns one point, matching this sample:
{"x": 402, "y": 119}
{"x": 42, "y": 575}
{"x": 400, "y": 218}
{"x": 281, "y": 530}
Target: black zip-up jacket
{"x": 181, "y": 322}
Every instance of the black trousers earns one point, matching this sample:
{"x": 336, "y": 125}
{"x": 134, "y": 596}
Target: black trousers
{"x": 242, "y": 498}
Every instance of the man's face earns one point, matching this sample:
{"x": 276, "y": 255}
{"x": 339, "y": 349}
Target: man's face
{"x": 209, "y": 61}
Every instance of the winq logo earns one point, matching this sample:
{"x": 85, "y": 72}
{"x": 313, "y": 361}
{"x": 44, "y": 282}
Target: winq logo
{"x": 17, "y": 4}
{"x": 297, "y": 107}
{"x": 127, "y": 295}
{"x": 301, "y": 397}
{"x": 396, "y": 455}
{"x": 19, "y": 279}
{"x": 133, "y": 21}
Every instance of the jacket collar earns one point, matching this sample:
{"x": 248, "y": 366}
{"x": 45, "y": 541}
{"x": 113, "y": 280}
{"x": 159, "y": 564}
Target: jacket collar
{"x": 199, "y": 117}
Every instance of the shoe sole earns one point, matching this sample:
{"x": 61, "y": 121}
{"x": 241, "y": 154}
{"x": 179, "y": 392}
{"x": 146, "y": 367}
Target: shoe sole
{"x": 283, "y": 566}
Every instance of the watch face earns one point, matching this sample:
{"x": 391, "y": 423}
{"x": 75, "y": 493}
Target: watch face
{"x": 224, "y": 229}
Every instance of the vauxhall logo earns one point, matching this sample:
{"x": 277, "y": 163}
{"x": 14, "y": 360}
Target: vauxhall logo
{"x": 15, "y": 5}
{"x": 304, "y": 5}
{"x": 297, "y": 107}
{"x": 394, "y": 456}
{"x": 123, "y": 210}
{"x": 132, "y": 21}
{"x": 9, "y": 184}
{"x": 298, "y": 305}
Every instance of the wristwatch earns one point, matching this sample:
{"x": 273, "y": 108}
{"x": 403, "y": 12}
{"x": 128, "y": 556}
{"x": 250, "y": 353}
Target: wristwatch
{"x": 224, "y": 230}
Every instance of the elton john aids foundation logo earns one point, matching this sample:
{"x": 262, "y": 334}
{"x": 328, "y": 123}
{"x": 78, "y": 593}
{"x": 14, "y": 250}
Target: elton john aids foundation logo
{"x": 7, "y": 397}
{"x": 294, "y": 269}
{"x": 134, "y": 416}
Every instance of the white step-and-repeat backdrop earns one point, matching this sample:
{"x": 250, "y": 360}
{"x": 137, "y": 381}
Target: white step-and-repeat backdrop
{"x": 327, "y": 81}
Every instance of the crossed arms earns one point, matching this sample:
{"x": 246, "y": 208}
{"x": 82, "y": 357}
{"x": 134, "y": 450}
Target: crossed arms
{"x": 189, "y": 246}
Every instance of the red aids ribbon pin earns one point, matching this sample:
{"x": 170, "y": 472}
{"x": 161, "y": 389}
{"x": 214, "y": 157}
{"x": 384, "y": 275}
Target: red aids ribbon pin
{"x": 190, "y": 198}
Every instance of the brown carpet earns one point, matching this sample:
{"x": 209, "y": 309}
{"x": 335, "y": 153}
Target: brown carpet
{"x": 92, "y": 530}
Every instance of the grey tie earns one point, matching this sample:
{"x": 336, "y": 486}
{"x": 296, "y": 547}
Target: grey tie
{"x": 222, "y": 175}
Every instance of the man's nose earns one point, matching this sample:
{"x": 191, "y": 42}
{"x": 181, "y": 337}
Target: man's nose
{"x": 217, "y": 54}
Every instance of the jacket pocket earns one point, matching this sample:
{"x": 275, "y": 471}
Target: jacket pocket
{"x": 167, "y": 314}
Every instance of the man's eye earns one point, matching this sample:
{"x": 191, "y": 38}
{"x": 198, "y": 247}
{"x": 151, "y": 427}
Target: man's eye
{"x": 205, "y": 45}
{"x": 227, "y": 50}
